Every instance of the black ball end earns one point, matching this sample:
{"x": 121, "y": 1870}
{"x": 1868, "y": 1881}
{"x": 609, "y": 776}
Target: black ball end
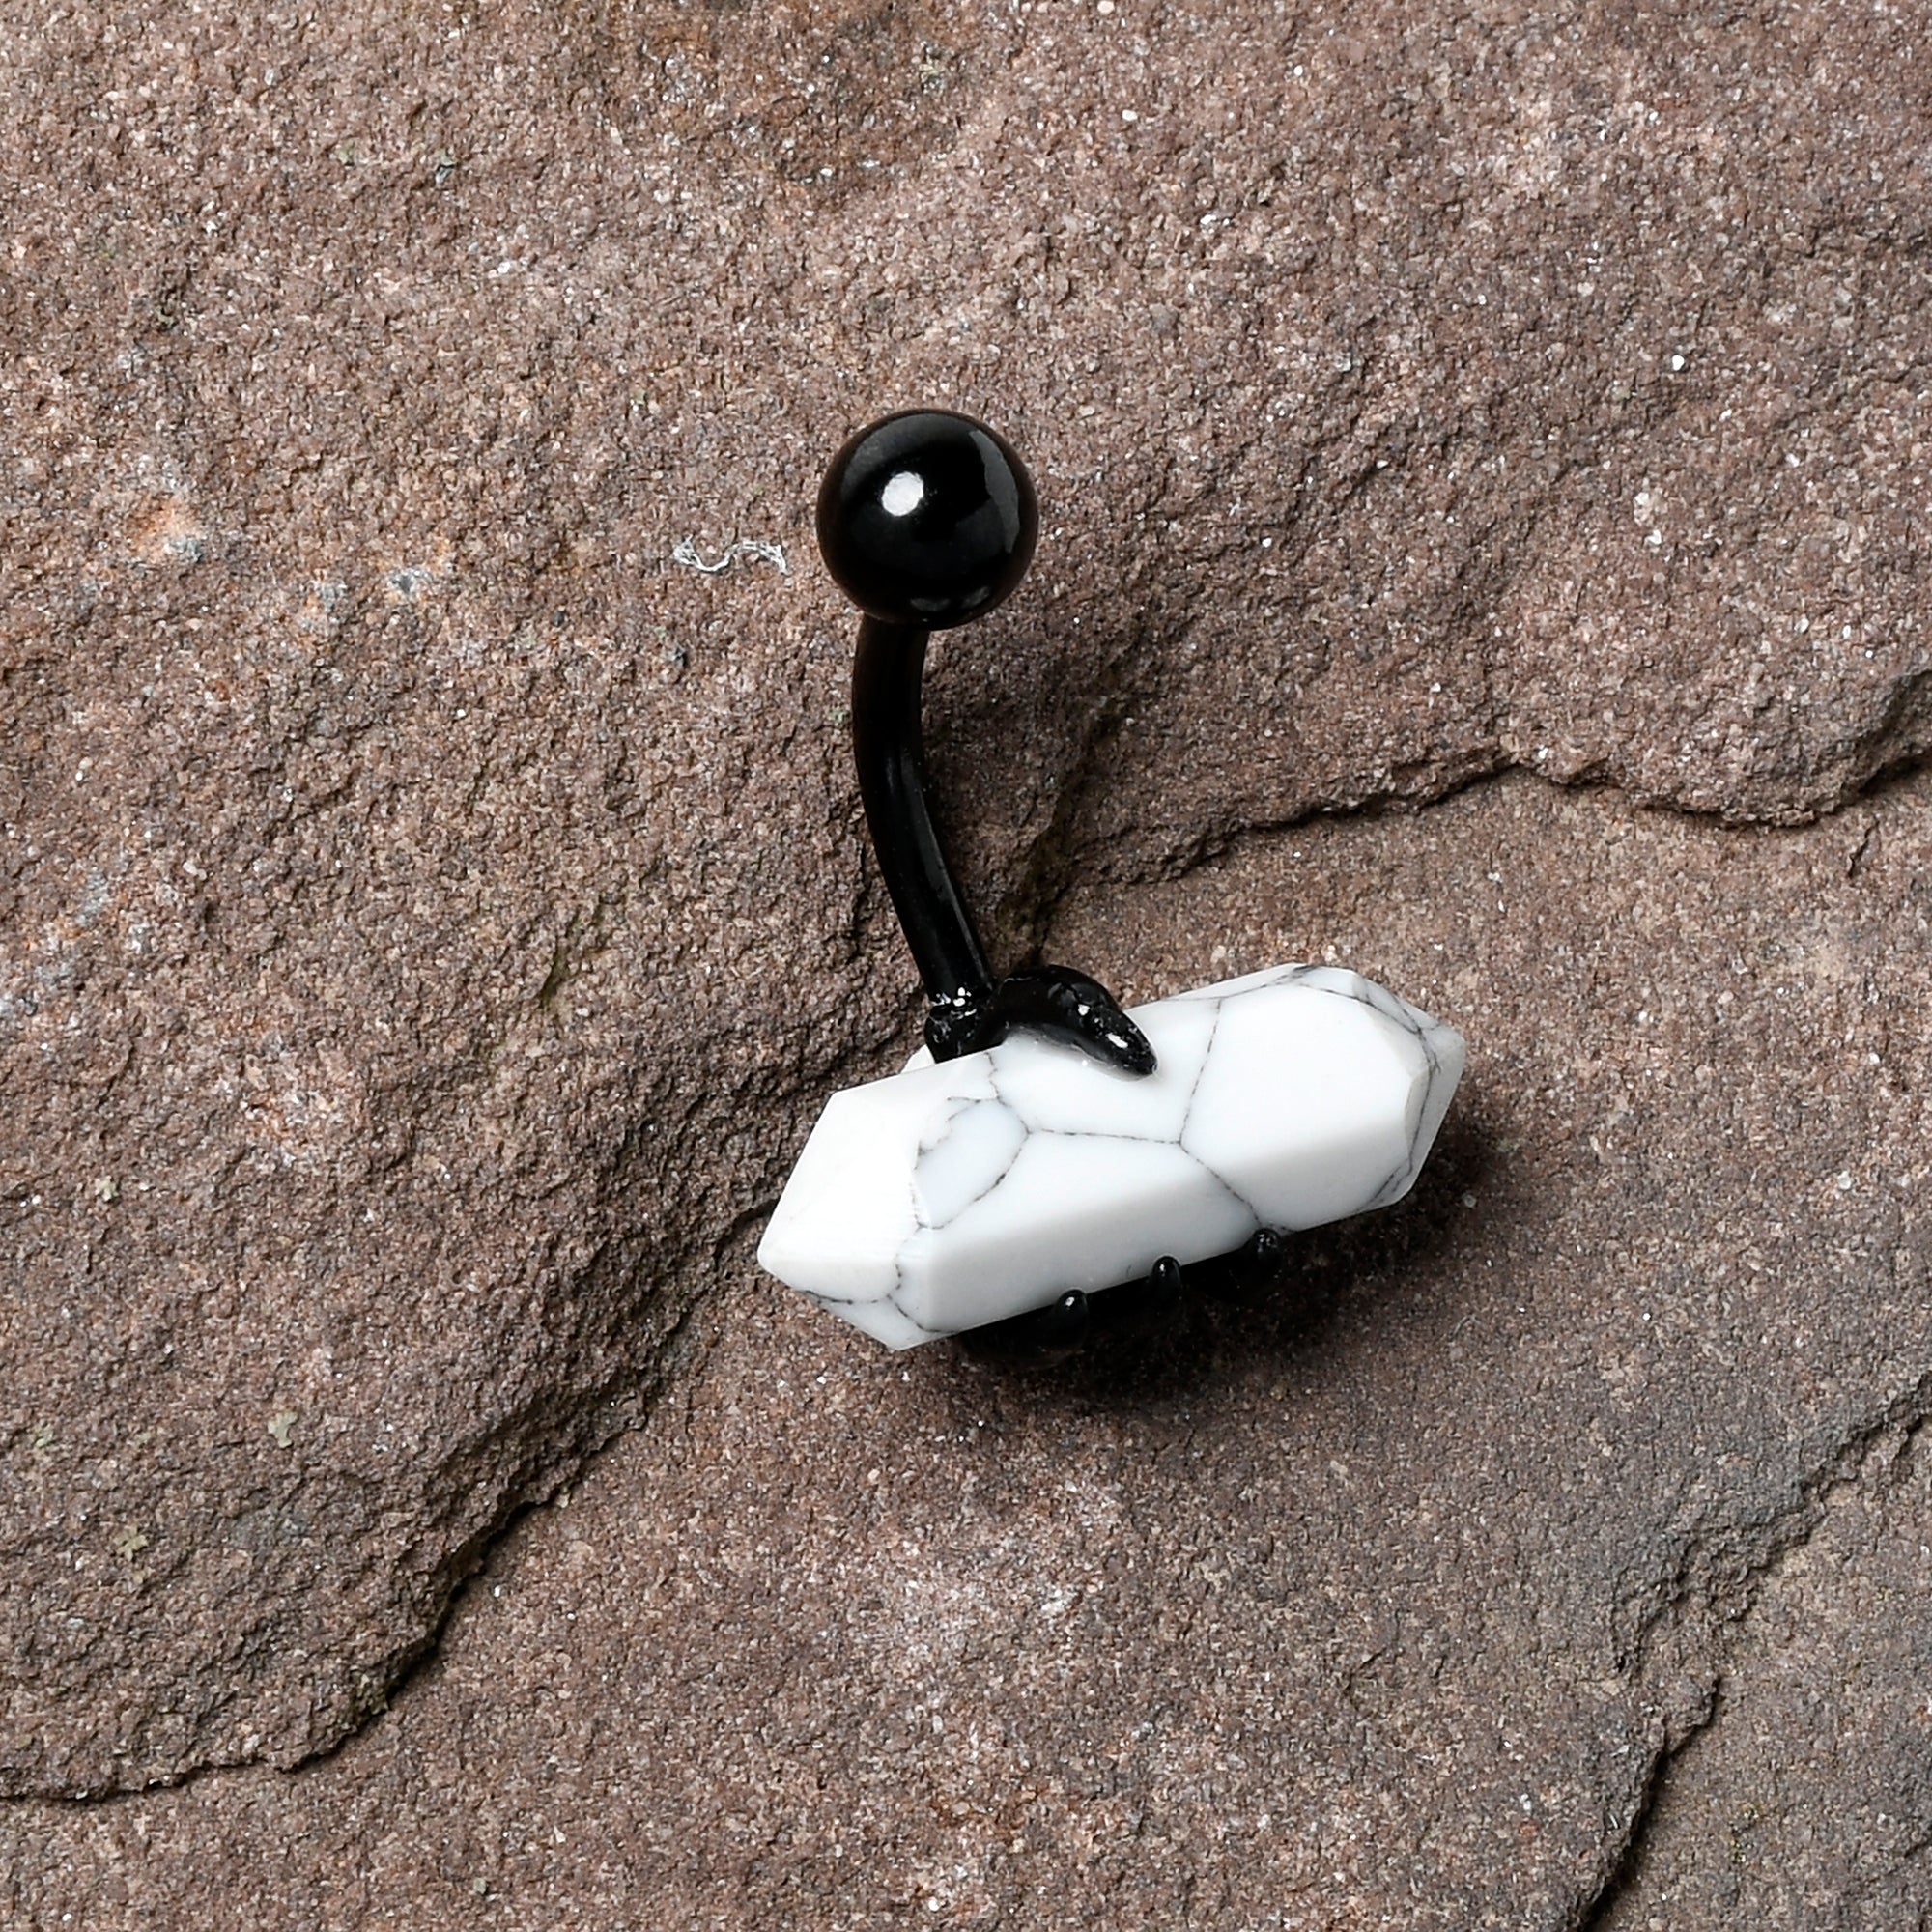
{"x": 927, "y": 519}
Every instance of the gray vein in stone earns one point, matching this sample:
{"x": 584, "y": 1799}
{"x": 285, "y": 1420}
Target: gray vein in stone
{"x": 1005, "y": 1106}
{"x": 1403, "y": 1178}
{"x": 1187, "y": 1116}
{"x": 1200, "y": 1074}
{"x": 899, "y": 1308}
{"x": 1227, "y": 1186}
{"x": 1391, "y": 1188}
{"x": 1364, "y": 993}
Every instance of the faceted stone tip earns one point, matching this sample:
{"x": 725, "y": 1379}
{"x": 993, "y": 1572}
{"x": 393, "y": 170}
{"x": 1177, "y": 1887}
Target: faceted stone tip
{"x": 953, "y": 1195}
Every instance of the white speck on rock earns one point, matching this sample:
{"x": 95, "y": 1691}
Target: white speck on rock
{"x": 685, "y": 552}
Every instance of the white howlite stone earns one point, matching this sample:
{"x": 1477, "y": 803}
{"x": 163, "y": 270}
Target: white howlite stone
{"x": 953, "y": 1195}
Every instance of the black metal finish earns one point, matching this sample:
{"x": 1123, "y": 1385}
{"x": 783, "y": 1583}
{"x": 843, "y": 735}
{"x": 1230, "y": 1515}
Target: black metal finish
{"x": 888, "y": 748}
{"x": 1076, "y": 1011}
{"x": 1130, "y": 1312}
{"x": 927, "y": 520}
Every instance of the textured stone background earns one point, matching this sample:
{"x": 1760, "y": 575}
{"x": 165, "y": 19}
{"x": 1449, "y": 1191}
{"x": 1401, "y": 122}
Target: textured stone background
{"x": 430, "y": 913}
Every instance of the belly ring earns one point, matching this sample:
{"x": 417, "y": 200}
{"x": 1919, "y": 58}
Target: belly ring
{"x": 1045, "y": 1145}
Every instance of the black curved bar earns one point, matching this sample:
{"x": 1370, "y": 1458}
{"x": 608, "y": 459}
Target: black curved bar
{"x": 927, "y": 520}
{"x": 889, "y": 749}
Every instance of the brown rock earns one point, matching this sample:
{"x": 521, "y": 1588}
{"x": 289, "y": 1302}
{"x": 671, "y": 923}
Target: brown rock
{"x": 430, "y": 908}
{"x": 1807, "y": 1801}
{"x": 1376, "y": 1602}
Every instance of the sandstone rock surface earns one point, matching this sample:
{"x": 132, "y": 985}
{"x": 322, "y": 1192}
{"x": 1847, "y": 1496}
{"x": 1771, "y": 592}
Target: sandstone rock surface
{"x": 430, "y": 902}
{"x": 1382, "y": 1600}
{"x": 1806, "y": 1802}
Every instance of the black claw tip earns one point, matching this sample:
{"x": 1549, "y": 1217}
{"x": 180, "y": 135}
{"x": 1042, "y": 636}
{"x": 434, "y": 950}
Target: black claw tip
{"x": 1044, "y": 1335}
{"x": 1128, "y": 1049}
{"x": 1255, "y": 1266}
{"x": 1267, "y": 1249}
{"x": 927, "y": 519}
{"x": 1078, "y": 1011}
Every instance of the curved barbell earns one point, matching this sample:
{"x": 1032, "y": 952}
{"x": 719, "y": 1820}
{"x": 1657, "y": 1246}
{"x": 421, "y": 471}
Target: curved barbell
{"x": 926, "y": 520}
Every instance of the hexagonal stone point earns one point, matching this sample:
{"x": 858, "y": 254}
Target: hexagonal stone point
{"x": 950, "y": 1196}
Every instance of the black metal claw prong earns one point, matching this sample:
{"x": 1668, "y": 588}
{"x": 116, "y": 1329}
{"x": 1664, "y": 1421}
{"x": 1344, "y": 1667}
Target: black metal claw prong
{"x": 928, "y": 520}
{"x": 1165, "y": 1288}
{"x": 1145, "y": 1308}
{"x": 1042, "y": 1336}
{"x": 1261, "y": 1257}
{"x": 1256, "y": 1265}
{"x": 1134, "y": 1311}
{"x": 1077, "y": 1011}
{"x": 1137, "y": 1309}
